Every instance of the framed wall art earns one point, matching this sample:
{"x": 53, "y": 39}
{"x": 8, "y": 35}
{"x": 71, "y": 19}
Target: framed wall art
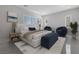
{"x": 12, "y": 17}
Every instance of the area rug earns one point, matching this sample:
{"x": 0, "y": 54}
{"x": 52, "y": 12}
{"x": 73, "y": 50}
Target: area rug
{"x": 27, "y": 49}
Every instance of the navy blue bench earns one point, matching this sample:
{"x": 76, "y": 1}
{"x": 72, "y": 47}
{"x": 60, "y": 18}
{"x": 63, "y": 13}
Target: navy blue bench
{"x": 49, "y": 40}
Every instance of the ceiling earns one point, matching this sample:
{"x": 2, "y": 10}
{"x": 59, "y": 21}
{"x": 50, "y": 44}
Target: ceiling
{"x": 48, "y": 9}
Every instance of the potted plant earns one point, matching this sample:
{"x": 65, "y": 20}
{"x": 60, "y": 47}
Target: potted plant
{"x": 74, "y": 28}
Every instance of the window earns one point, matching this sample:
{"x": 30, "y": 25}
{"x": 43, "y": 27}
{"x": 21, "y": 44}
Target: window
{"x": 29, "y": 20}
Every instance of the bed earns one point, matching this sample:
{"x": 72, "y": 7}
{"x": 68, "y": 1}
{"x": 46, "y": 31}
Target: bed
{"x": 34, "y": 38}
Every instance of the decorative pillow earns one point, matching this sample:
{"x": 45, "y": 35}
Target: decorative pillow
{"x": 48, "y": 28}
{"x": 32, "y": 28}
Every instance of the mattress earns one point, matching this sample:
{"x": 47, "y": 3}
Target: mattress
{"x": 34, "y": 39}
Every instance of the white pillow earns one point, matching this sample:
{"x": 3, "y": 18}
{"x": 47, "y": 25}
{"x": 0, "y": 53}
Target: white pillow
{"x": 24, "y": 30}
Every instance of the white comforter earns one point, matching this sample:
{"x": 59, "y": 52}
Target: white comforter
{"x": 34, "y": 39}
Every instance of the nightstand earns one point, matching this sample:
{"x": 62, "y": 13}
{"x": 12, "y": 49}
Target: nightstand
{"x": 14, "y": 37}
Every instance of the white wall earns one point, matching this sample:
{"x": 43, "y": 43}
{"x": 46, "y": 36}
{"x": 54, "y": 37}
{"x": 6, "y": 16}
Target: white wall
{"x": 5, "y": 27}
{"x": 58, "y": 19}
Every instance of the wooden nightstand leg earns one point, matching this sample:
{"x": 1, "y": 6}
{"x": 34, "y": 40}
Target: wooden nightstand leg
{"x": 12, "y": 39}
